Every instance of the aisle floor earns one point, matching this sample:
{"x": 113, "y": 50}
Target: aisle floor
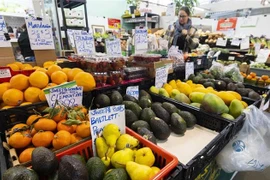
{"x": 265, "y": 175}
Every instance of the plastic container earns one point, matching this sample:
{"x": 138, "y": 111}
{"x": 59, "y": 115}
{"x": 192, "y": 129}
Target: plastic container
{"x": 115, "y": 77}
{"x": 100, "y": 78}
{"x": 6, "y": 73}
{"x": 117, "y": 63}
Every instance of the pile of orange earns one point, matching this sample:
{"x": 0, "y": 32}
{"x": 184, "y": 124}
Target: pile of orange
{"x": 259, "y": 80}
{"x": 51, "y": 130}
{"x": 23, "y": 90}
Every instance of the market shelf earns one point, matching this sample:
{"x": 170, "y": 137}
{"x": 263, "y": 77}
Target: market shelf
{"x": 74, "y": 28}
{"x": 71, "y": 3}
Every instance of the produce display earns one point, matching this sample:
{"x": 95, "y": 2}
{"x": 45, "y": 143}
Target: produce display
{"x": 253, "y": 79}
{"x": 265, "y": 43}
{"x": 60, "y": 127}
{"x": 212, "y": 38}
{"x": 23, "y": 90}
{"x": 260, "y": 66}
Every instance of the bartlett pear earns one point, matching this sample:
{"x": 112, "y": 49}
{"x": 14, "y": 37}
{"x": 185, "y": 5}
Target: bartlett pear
{"x": 120, "y": 158}
{"x": 145, "y": 156}
{"x": 111, "y": 133}
{"x": 126, "y": 140}
{"x": 137, "y": 171}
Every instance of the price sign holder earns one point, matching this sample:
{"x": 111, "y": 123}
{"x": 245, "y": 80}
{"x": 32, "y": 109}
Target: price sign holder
{"x": 113, "y": 47}
{"x": 244, "y": 43}
{"x": 140, "y": 40}
{"x": 133, "y": 91}
{"x": 161, "y": 76}
{"x": 5, "y": 72}
{"x": 221, "y": 42}
{"x": 84, "y": 43}
{"x": 189, "y": 69}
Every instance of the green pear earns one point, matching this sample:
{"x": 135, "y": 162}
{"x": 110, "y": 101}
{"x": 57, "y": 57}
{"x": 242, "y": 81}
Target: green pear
{"x": 111, "y": 133}
{"x": 227, "y": 116}
{"x": 163, "y": 92}
{"x": 126, "y": 140}
{"x": 137, "y": 171}
{"x": 154, "y": 89}
{"x": 182, "y": 98}
{"x": 174, "y": 93}
{"x": 236, "y": 108}
{"x": 120, "y": 158}
{"x": 145, "y": 156}
{"x": 196, "y": 97}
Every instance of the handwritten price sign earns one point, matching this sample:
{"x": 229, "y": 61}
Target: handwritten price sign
{"x": 113, "y": 47}
{"x": 133, "y": 91}
{"x": 84, "y": 43}
{"x": 3, "y": 29}
{"x": 5, "y": 73}
{"x": 40, "y": 34}
{"x": 141, "y": 41}
{"x": 161, "y": 76}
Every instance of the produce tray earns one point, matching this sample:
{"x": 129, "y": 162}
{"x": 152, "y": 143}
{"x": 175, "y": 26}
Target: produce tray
{"x": 260, "y": 90}
{"x": 260, "y": 72}
{"x": 8, "y": 73}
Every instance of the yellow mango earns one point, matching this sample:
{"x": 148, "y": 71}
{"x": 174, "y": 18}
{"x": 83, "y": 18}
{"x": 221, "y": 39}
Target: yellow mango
{"x": 199, "y": 85}
{"x": 184, "y": 88}
{"x": 226, "y": 97}
{"x": 168, "y": 88}
{"x": 173, "y": 84}
{"x": 189, "y": 82}
{"x": 178, "y": 80}
{"x": 237, "y": 95}
{"x": 201, "y": 89}
{"x": 244, "y": 104}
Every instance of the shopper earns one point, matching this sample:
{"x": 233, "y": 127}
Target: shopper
{"x": 24, "y": 45}
{"x": 184, "y": 31}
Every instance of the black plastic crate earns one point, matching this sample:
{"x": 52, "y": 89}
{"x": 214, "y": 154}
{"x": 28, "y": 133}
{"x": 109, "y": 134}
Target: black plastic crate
{"x": 260, "y": 90}
{"x": 3, "y": 163}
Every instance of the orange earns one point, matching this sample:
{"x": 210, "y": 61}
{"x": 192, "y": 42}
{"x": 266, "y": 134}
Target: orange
{"x": 265, "y": 77}
{"x": 25, "y": 103}
{"x": 81, "y": 109}
{"x": 253, "y": 75}
{"x": 14, "y": 67}
{"x": 75, "y": 138}
{"x": 66, "y": 70}
{"x": 83, "y": 130}
{"x": 19, "y": 64}
{"x": 86, "y": 80}
{"x": 17, "y": 127}
{"x": 45, "y": 125}
{"x": 7, "y": 107}
{"x": 27, "y": 67}
{"x": 41, "y": 95}
{"x": 32, "y": 118}
{"x": 47, "y": 64}
{"x": 43, "y": 138}
{"x": 42, "y": 70}
{"x": 59, "y": 77}
{"x": 61, "y": 139}
{"x": 60, "y": 113}
{"x": 33, "y": 131}
{"x": 20, "y": 140}
{"x": 61, "y": 126}
{"x": 31, "y": 94}
{"x": 3, "y": 88}
{"x": 39, "y": 79}
{"x": 249, "y": 77}
{"x": 53, "y": 68}
{"x": 19, "y": 81}
{"x": 13, "y": 97}
{"x": 26, "y": 155}
{"x": 73, "y": 72}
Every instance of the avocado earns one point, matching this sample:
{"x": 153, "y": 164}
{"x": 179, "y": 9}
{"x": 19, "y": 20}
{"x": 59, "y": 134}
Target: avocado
{"x": 96, "y": 168}
{"x": 231, "y": 87}
{"x": 196, "y": 79}
{"x": 210, "y": 76}
{"x": 130, "y": 98}
{"x": 243, "y": 91}
{"x": 160, "y": 128}
{"x": 157, "y": 104}
{"x": 130, "y": 117}
{"x": 71, "y": 168}
{"x": 116, "y": 174}
{"x": 189, "y": 118}
{"x": 102, "y": 100}
{"x": 20, "y": 173}
{"x": 53, "y": 176}
{"x": 44, "y": 161}
{"x": 197, "y": 105}
{"x": 220, "y": 85}
{"x": 227, "y": 80}
{"x": 190, "y": 77}
{"x": 240, "y": 85}
{"x": 178, "y": 124}
{"x": 147, "y": 114}
{"x": 209, "y": 84}
{"x": 140, "y": 124}
{"x": 161, "y": 113}
{"x": 202, "y": 81}
{"x": 144, "y": 93}
{"x": 145, "y": 102}
{"x": 133, "y": 107}
{"x": 116, "y": 98}
{"x": 81, "y": 158}
{"x": 169, "y": 107}
{"x": 204, "y": 75}
{"x": 253, "y": 95}
{"x": 146, "y": 134}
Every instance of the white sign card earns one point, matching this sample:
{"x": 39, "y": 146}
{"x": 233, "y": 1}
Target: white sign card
{"x": 221, "y": 42}
{"x": 257, "y": 48}
{"x": 3, "y": 29}
{"x": 71, "y": 38}
{"x": 99, "y": 118}
{"x": 161, "y": 76}
{"x": 5, "y": 73}
{"x": 141, "y": 41}
{"x": 263, "y": 55}
{"x": 113, "y": 47}
{"x": 189, "y": 69}
{"x": 250, "y": 21}
{"x": 235, "y": 42}
{"x": 170, "y": 9}
{"x": 84, "y": 43}
{"x": 40, "y": 33}
{"x": 244, "y": 43}
{"x": 133, "y": 91}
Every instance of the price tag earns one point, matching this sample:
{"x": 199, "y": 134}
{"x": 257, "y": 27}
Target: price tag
{"x": 199, "y": 61}
{"x": 161, "y": 76}
{"x": 71, "y": 38}
{"x": 133, "y": 15}
{"x": 170, "y": 9}
{"x": 141, "y": 41}
{"x": 3, "y": 29}
{"x": 235, "y": 42}
{"x": 5, "y": 73}
{"x": 221, "y": 42}
{"x": 40, "y": 33}
{"x": 257, "y": 48}
{"x": 99, "y": 118}
{"x": 133, "y": 91}
{"x": 231, "y": 58}
{"x": 244, "y": 43}
{"x": 84, "y": 43}
{"x": 189, "y": 69}
{"x": 263, "y": 55}
{"x": 113, "y": 47}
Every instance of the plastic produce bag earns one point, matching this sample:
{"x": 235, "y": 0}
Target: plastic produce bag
{"x": 250, "y": 148}
{"x": 232, "y": 71}
{"x": 176, "y": 55}
{"x": 217, "y": 70}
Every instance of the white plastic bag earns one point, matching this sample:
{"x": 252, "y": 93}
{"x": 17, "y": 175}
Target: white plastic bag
{"x": 232, "y": 71}
{"x": 176, "y": 55}
{"x": 217, "y": 70}
{"x": 250, "y": 148}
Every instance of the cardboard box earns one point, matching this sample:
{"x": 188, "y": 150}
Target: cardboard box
{"x": 245, "y": 68}
{"x": 6, "y": 56}
{"x": 44, "y": 55}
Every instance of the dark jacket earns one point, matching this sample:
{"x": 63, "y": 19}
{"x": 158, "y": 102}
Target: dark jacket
{"x": 24, "y": 44}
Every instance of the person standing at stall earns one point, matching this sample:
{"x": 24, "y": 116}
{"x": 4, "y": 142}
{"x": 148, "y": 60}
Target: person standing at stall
{"x": 24, "y": 45}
